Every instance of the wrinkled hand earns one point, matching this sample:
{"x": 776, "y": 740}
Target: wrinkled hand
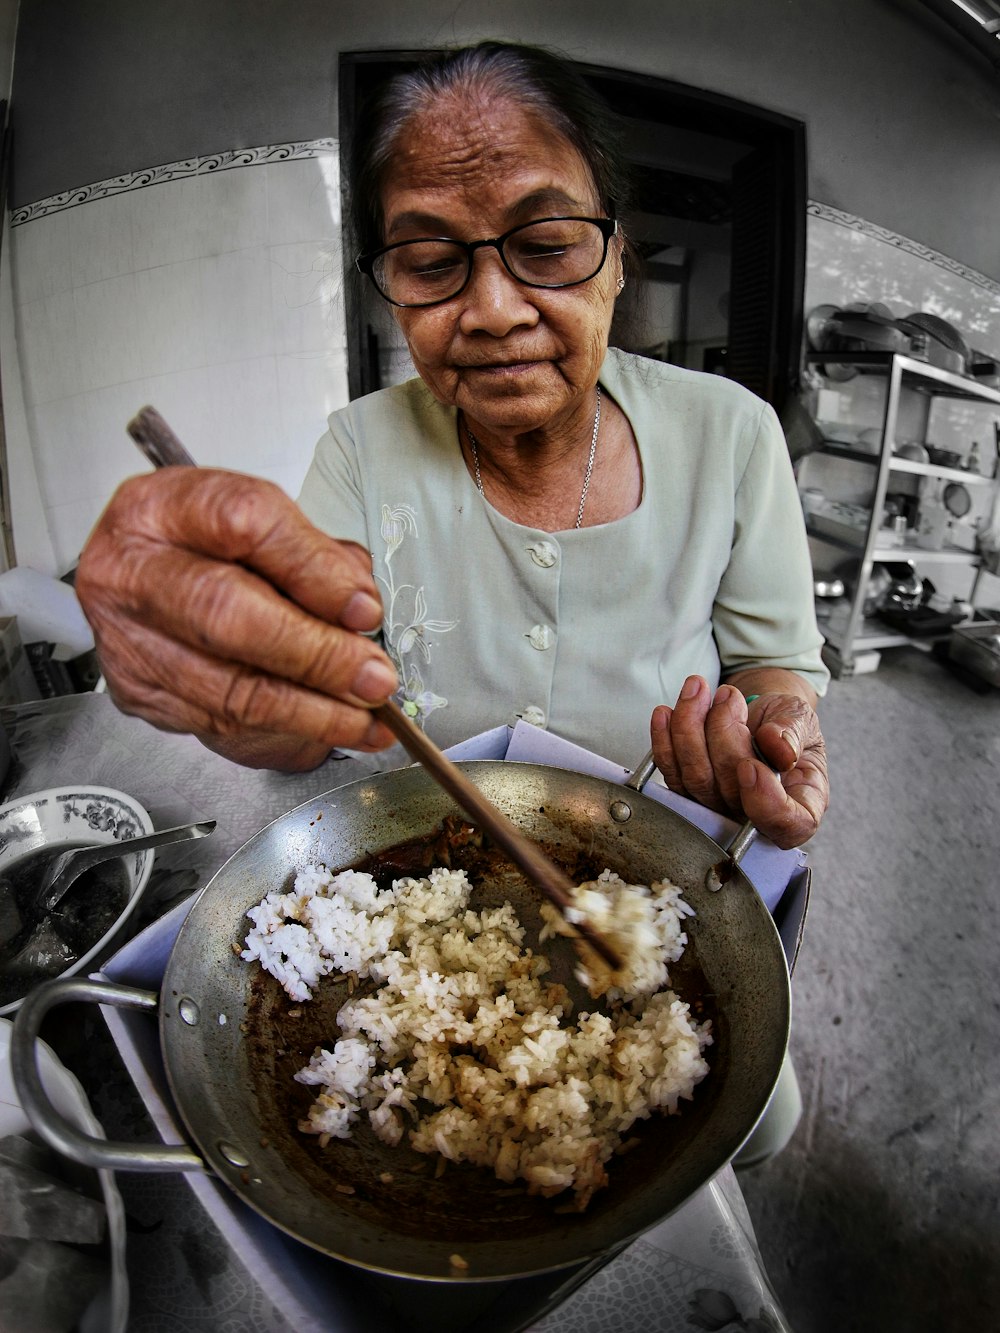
{"x": 703, "y": 748}
{"x": 219, "y": 609}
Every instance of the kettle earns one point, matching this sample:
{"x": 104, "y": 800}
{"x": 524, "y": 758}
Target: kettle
{"x": 906, "y": 588}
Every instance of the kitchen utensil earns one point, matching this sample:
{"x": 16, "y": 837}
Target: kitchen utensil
{"x": 986, "y": 369}
{"x": 818, "y": 325}
{"x": 828, "y": 588}
{"x": 158, "y": 442}
{"x": 906, "y": 587}
{"x": 63, "y": 869}
{"x": 722, "y": 872}
{"x": 946, "y": 347}
{"x": 943, "y": 457}
{"x": 957, "y": 499}
{"x": 233, "y": 1084}
{"x": 75, "y": 815}
{"x": 870, "y": 328}
{"x": 913, "y": 452}
{"x": 553, "y": 882}
{"x": 820, "y": 333}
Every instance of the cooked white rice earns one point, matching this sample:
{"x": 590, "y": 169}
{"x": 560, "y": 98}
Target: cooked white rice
{"x": 464, "y": 1045}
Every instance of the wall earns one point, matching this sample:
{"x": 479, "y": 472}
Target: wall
{"x": 892, "y": 99}
{"x": 177, "y": 212}
{"x": 213, "y": 294}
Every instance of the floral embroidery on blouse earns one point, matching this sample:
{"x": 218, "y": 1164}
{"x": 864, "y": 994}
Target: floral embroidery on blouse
{"x": 405, "y": 624}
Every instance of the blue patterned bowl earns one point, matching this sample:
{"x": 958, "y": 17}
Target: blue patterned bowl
{"x": 69, "y": 816}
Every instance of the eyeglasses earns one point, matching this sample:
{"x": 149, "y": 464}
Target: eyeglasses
{"x": 552, "y": 252}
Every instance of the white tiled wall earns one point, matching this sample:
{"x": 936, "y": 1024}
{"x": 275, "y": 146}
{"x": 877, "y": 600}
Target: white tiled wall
{"x": 215, "y": 297}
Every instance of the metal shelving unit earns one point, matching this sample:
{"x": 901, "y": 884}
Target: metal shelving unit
{"x": 859, "y": 633}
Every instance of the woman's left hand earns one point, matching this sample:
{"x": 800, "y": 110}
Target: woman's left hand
{"x": 704, "y": 747}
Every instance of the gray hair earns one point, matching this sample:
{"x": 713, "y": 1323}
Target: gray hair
{"x": 531, "y": 76}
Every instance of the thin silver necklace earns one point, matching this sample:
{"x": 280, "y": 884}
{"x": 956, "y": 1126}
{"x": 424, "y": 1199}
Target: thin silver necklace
{"x": 586, "y": 476}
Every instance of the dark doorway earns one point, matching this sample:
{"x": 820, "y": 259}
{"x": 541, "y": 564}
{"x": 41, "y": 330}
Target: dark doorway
{"x": 719, "y": 218}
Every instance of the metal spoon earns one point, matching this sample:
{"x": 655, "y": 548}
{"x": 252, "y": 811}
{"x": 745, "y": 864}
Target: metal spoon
{"x": 66, "y": 867}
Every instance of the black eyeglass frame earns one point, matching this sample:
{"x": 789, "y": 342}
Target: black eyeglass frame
{"x": 365, "y": 263}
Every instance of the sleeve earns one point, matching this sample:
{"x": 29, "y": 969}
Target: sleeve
{"x": 764, "y": 612}
{"x": 332, "y": 494}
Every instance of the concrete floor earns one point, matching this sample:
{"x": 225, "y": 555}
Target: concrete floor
{"x": 882, "y": 1214}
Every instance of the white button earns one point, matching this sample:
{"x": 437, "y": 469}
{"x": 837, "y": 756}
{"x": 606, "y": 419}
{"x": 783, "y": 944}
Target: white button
{"x": 540, "y": 637}
{"x": 534, "y": 715}
{"x": 544, "y": 554}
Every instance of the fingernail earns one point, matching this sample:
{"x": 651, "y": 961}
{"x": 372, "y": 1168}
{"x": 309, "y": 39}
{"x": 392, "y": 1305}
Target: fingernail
{"x": 375, "y": 681}
{"x": 692, "y": 688}
{"x": 363, "y": 611}
{"x": 736, "y": 702}
{"x": 790, "y": 739}
{"x": 374, "y": 738}
{"x": 660, "y": 720}
{"x": 746, "y": 774}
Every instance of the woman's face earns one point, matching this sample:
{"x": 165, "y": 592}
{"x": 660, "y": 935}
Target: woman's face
{"x": 512, "y": 357}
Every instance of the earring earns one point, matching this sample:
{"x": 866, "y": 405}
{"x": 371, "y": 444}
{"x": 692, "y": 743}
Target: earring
{"x": 621, "y": 283}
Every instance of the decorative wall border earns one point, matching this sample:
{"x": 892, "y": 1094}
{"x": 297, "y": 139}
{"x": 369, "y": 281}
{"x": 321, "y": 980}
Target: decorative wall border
{"x": 172, "y": 171}
{"x": 287, "y": 152}
{"x": 854, "y": 223}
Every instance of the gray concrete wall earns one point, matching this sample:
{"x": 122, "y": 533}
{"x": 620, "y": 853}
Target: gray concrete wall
{"x": 903, "y": 117}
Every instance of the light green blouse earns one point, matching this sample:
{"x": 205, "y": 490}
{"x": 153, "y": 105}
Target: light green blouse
{"x": 582, "y": 631}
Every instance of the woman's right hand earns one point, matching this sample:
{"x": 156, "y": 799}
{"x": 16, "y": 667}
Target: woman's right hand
{"x": 219, "y": 609}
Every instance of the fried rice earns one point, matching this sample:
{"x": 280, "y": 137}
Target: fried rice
{"x": 464, "y": 1046}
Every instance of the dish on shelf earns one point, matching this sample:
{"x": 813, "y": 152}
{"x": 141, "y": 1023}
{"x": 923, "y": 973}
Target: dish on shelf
{"x": 912, "y": 452}
{"x": 943, "y": 457}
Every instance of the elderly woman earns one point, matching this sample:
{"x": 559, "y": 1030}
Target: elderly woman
{"x": 538, "y": 526}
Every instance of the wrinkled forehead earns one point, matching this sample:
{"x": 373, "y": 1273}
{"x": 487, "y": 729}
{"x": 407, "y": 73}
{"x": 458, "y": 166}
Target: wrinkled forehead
{"x": 469, "y": 142}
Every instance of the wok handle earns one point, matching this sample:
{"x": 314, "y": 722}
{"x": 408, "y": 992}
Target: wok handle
{"x": 45, "y": 1119}
{"x": 641, "y": 774}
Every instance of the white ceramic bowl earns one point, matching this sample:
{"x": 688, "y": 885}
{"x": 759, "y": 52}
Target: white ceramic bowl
{"x": 108, "y": 1311}
{"x": 67, "y": 816}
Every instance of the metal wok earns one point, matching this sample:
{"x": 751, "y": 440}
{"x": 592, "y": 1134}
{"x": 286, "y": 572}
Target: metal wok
{"x": 384, "y": 1208}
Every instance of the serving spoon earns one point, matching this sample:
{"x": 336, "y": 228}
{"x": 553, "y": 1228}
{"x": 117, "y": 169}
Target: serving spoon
{"x": 163, "y": 449}
{"x": 65, "y": 868}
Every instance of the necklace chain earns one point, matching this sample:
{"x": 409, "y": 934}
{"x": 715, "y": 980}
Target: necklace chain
{"x": 586, "y": 476}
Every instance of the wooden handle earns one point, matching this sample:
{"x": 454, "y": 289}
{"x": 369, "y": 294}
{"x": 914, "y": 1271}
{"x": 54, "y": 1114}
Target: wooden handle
{"x": 556, "y": 885}
{"x": 157, "y": 441}
{"x": 163, "y": 449}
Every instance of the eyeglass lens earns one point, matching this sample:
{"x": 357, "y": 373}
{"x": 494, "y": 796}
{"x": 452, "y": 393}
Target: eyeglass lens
{"x": 556, "y": 252}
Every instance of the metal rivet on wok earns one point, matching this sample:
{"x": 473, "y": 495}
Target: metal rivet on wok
{"x": 189, "y": 1011}
{"x": 235, "y": 1156}
{"x": 620, "y": 811}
